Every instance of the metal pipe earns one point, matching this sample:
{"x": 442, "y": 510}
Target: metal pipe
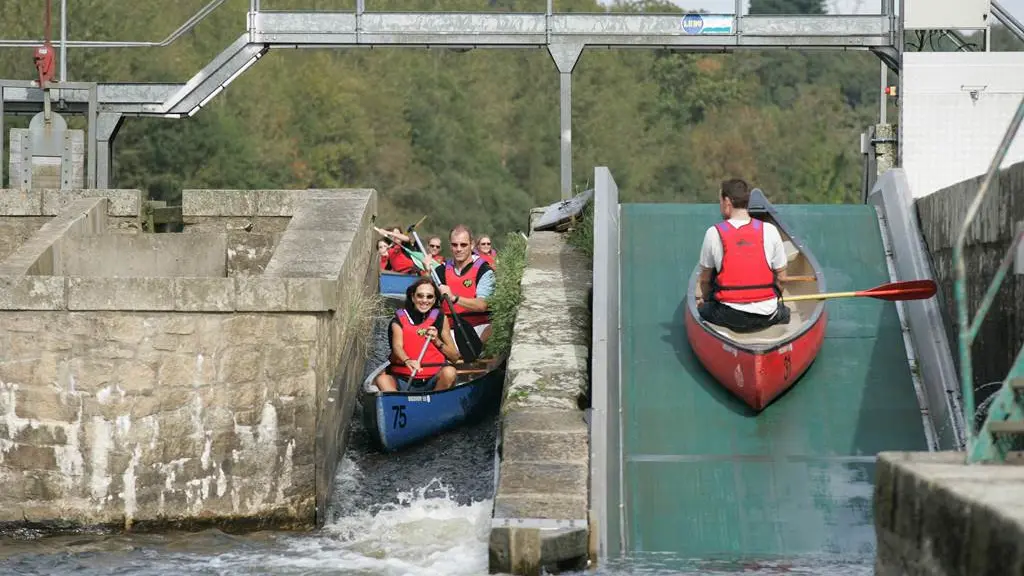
{"x": 63, "y": 40}
{"x": 184, "y": 28}
{"x": 882, "y": 103}
{"x": 1008, "y": 20}
{"x": 960, "y": 281}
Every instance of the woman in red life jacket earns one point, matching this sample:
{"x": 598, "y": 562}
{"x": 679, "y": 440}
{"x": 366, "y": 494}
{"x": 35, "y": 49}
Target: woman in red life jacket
{"x": 382, "y": 253}
{"x": 398, "y": 260}
{"x": 485, "y": 250}
{"x": 418, "y": 324}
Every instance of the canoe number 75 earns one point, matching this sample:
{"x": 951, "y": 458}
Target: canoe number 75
{"x": 399, "y": 411}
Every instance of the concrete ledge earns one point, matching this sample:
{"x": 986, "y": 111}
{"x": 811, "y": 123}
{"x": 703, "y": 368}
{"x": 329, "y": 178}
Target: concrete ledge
{"x": 41, "y": 253}
{"x": 540, "y": 518}
{"x": 935, "y": 515}
{"x": 240, "y": 202}
{"x": 17, "y": 202}
{"x": 182, "y": 294}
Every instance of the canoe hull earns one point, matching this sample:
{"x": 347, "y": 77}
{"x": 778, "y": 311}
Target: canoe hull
{"x": 397, "y": 420}
{"x": 393, "y": 285}
{"x": 757, "y": 377}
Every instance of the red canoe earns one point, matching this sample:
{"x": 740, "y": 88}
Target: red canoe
{"x": 759, "y": 366}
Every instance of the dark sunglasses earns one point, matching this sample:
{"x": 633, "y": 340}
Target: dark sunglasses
{"x": 434, "y": 245}
{"x": 459, "y": 245}
{"x": 423, "y": 296}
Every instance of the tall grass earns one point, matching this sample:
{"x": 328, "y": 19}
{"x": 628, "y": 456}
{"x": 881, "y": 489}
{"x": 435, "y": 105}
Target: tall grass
{"x": 504, "y": 302}
{"x": 581, "y": 232}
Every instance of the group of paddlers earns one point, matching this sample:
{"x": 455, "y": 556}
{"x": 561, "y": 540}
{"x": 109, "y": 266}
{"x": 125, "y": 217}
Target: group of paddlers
{"x": 423, "y": 348}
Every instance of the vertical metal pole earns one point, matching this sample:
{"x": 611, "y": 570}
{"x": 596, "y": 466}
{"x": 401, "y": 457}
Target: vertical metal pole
{"x": 550, "y": 8}
{"x": 565, "y": 105}
{"x": 2, "y": 136}
{"x": 90, "y": 178}
{"x": 882, "y": 102}
{"x": 63, "y": 40}
{"x": 739, "y": 9}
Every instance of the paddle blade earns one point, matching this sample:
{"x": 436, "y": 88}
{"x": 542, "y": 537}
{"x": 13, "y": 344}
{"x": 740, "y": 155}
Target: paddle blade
{"x": 910, "y": 290}
{"x": 467, "y": 340}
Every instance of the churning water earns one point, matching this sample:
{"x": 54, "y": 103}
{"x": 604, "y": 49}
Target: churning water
{"x": 422, "y": 512}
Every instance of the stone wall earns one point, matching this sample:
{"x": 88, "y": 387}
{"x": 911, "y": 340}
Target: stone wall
{"x": 23, "y": 212}
{"x": 936, "y": 516}
{"x": 187, "y": 401}
{"x": 252, "y": 219}
{"x": 541, "y": 503}
{"x": 941, "y": 214}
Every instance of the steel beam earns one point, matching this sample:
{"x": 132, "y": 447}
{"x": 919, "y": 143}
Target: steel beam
{"x": 25, "y": 98}
{"x": 309, "y": 29}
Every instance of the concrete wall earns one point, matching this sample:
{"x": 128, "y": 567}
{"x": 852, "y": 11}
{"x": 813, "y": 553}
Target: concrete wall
{"x": 184, "y": 401}
{"x": 541, "y": 503}
{"x": 152, "y": 255}
{"x": 252, "y": 219}
{"x": 941, "y": 215}
{"x": 23, "y": 212}
{"x": 936, "y": 516}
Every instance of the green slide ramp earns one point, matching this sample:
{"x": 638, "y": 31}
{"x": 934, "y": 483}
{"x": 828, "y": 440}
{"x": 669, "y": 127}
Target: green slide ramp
{"x": 703, "y": 477}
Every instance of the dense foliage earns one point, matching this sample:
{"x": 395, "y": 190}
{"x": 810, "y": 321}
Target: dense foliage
{"x": 504, "y": 303}
{"x": 472, "y": 136}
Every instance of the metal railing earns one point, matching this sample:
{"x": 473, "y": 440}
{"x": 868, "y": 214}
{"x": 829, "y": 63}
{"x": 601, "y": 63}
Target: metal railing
{"x": 968, "y": 330}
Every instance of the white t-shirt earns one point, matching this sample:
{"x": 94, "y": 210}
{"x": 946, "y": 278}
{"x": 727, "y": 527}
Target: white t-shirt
{"x": 774, "y": 253}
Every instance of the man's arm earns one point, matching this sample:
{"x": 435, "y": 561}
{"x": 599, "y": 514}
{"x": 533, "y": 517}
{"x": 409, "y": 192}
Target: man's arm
{"x": 703, "y": 285}
{"x": 708, "y": 265}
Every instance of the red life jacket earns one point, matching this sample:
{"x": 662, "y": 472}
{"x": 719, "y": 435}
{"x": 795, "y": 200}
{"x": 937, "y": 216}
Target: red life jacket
{"x": 413, "y": 338}
{"x": 489, "y": 257}
{"x": 384, "y": 262}
{"x": 745, "y": 275}
{"x": 399, "y": 260}
{"x": 464, "y": 286}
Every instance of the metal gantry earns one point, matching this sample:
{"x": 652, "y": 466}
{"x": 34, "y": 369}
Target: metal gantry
{"x": 565, "y": 36}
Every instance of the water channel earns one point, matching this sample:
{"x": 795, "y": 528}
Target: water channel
{"x": 424, "y": 511}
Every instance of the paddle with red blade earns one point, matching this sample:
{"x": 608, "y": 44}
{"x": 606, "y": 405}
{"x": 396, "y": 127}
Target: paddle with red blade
{"x": 909, "y": 290}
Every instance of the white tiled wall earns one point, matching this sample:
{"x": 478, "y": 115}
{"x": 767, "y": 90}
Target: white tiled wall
{"x": 947, "y": 136}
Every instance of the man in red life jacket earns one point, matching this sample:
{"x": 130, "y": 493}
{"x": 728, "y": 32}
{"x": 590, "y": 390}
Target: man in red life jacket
{"x": 742, "y": 264}
{"x": 467, "y": 282}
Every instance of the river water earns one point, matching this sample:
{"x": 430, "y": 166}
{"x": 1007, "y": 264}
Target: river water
{"x": 424, "y": 511}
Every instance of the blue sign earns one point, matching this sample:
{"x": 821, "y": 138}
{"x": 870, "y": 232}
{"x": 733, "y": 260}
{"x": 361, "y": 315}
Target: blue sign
{"x": 693, "y": 23}
{"x": 707, "y": 24}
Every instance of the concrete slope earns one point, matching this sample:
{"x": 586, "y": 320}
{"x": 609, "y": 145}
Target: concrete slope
{"x": 703, "y": 476}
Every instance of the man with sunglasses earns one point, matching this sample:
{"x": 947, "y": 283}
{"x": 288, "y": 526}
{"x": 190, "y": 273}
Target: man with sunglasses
{"x": 467, "y": 282}
{"x": 434, "y": 249}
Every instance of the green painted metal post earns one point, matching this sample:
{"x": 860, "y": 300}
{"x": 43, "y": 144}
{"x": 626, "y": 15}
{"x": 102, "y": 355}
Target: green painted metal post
{"x": 966, "y": 332}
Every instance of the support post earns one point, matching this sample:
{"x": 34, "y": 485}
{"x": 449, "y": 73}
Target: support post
{"x": 2, "y": 136}
{"x": 885, "y": 147}
{"x": 91, "y": 146}
{"x": 565, "y": 56}
{"x": 107, "y": 125}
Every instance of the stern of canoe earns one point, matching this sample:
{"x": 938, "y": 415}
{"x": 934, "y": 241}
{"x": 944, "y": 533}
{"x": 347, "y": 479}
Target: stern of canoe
{"x": 393, "y": 285}
{"x": 756, "y": 376}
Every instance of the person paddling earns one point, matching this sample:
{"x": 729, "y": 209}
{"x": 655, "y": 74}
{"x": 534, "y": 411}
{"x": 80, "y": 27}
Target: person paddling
{"x": 743, "y": 263}
{"x": 398, "y": 260}
{"x": 467, "y": 282}
{"x": 421, "y": 343}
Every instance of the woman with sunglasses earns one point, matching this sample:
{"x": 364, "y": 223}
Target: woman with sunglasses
{"x": 418, "y": 328}
{"x": 486, "y": 251}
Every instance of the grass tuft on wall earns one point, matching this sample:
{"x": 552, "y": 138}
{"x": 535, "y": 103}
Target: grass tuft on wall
{"x": 504, "y": 302}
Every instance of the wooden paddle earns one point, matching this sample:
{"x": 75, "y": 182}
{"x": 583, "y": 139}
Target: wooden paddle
{"x": 466, "y": 339}
{"x": 420, "y": 359}
{"x": 910, "y": 290}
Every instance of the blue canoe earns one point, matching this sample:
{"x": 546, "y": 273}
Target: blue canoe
{"x": 398, "y": 419}
{"x": 393, "y": 284}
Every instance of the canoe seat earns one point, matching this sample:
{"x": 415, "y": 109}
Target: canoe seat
{"x": 791, "y": 250}
{"x": 769, "y": 335}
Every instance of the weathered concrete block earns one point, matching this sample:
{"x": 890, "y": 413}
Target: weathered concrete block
{"x": 120, "y": 293}
{"x": 204, "y": 294}
{"x": 32, "y": 293}
{"x": 21, "y": 202}
{"x": 124, "y": 202}
{"x": 936, "y": 515}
